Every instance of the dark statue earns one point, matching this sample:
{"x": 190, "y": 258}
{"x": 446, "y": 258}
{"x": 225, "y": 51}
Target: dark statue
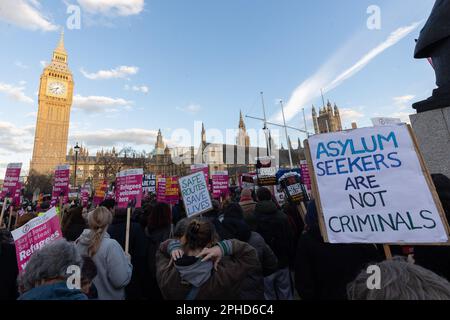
{"x": 434, "y": 43}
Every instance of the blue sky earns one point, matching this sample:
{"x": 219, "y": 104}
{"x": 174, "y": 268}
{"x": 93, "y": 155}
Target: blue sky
{"x": 169, "y": 63}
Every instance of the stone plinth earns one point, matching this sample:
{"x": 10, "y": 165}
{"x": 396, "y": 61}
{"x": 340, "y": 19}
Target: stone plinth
{"x": 432, "y": 129}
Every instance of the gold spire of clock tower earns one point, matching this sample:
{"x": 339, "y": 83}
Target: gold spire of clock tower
{"x": 55, "y": 101}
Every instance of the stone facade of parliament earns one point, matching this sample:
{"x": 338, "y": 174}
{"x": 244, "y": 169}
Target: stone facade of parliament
{"x": 236, "y": 159}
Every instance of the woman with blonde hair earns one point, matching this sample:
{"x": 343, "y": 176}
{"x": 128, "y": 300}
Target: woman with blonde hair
{"x": 114, "y": 268}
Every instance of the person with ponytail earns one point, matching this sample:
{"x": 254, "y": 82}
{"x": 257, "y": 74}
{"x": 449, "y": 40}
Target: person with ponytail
{"x": 114, "y": 268}
{"x": 197, "y": 267}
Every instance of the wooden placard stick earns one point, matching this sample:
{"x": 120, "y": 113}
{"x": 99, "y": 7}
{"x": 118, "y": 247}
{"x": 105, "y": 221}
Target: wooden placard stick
{"x": 315, "y": 192}
{"x": 3, "y": 211}
{"x": 302, "y": 211}
{"x": 10, "y": 216}
{"x": 387, "y": 251}
{"x": 127, "y": 233}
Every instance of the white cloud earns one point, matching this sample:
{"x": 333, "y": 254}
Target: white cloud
{"x": 191, "y": 108}
{"x": 99, "y": 104}
{"x": 403, "y": 102}
{"x": 144, "y": 89}
{"x": 15, "y": 93}
{"x": 404, "y": 116}
{"x": 327, "y": 78}
{"x": 14, "y": 139}
{"x": 350, "y": 115}
{"x": 43, "y": 63}
{"x": 20, "y": 65}
{"x": 25, "y": 14}
{"x": 116, "y": 73}
{"x": 115, "y": 137}
{"x": 31, "y": 114}
{"x": 113, "y": 7}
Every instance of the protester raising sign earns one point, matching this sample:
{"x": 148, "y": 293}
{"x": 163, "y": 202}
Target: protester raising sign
{"x": 61, "y": 185}
{"x": 194, "y": 190}
{"x": 371, "y": 186}
{"x": 34, "y": 235}
{"x": 266, "y": 173}
{"x": 220, "y": 184}
{"x": 129, "y": 188}
{"x": 11, "y": 182}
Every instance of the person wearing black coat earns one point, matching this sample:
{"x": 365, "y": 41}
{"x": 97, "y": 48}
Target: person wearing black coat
{"x": 323, "y": 270}
{"x": 273, "y": 225}
{"x": 137, "y": 251}
{"x": 235, "y": 227}
{"x": 158, "y": 229}
{"x": 8, "y": 267}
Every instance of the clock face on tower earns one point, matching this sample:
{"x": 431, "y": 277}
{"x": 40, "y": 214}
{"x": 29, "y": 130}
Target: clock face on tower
{"x": 56, "y": 88}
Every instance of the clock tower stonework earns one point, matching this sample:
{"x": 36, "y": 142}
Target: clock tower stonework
{"x": 55, "y": 101}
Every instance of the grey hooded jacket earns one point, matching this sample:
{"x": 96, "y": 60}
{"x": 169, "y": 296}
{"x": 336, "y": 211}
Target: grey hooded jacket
{"x": 114, "y": 269}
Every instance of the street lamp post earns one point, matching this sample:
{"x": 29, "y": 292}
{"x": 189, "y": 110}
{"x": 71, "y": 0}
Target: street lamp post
{"x": 76, "y": 148}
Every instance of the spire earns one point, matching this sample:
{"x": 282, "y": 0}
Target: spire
{"x": 314, "y": 113}
{"x": 60, "y": 48}
{"x": 299, "y": 144}
{"x": 241, "y": 121}
{"x": 289, "y": 143}
{"x": 336, "y": 109}
{"x": 203, "y": 134}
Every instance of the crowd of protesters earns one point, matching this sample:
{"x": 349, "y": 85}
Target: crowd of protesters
{"x": 248, "y": 247}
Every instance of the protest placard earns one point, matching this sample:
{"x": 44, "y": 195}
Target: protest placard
{"x": 220, "y": 184}
{"x": 11, "y": 182}
{"x": 149, "y": 183}
{"x": 194, "y": 190}
{"x": 202, "y": 167}
{"x": 247, "y": 180}
{"x": 293, "y": 188}
{"x": 85, "y": 193}
{"x": 161, "y": 189}
{"x": 34, "y": 235}
{"x": 305, "y": 176}
{"x": 61, "y": 185}
{"x": 371, "y": 185}
{"x": 129, "y": 188}
{"x": 100, "y": 192}
{"x": 172, "y": 190}
{"x": 265, "y": 172}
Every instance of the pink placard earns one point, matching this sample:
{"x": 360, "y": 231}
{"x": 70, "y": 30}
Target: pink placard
{"x": 161, "y": 189}
{"x": 205, "y": 169}
{"x": 10, "y": 184}
{"x": 129, "y": 188}
{"x": 61, "y": 185}
{"x": 34, "y": 235}
{"x": 84, "y": 197}
{"x": 306, "y": 178}
{"x": 220, "y": 184}
{"x": 18, "y": 196}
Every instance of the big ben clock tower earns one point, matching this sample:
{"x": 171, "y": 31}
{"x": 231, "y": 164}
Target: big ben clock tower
{"x": 55, "y": 101}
